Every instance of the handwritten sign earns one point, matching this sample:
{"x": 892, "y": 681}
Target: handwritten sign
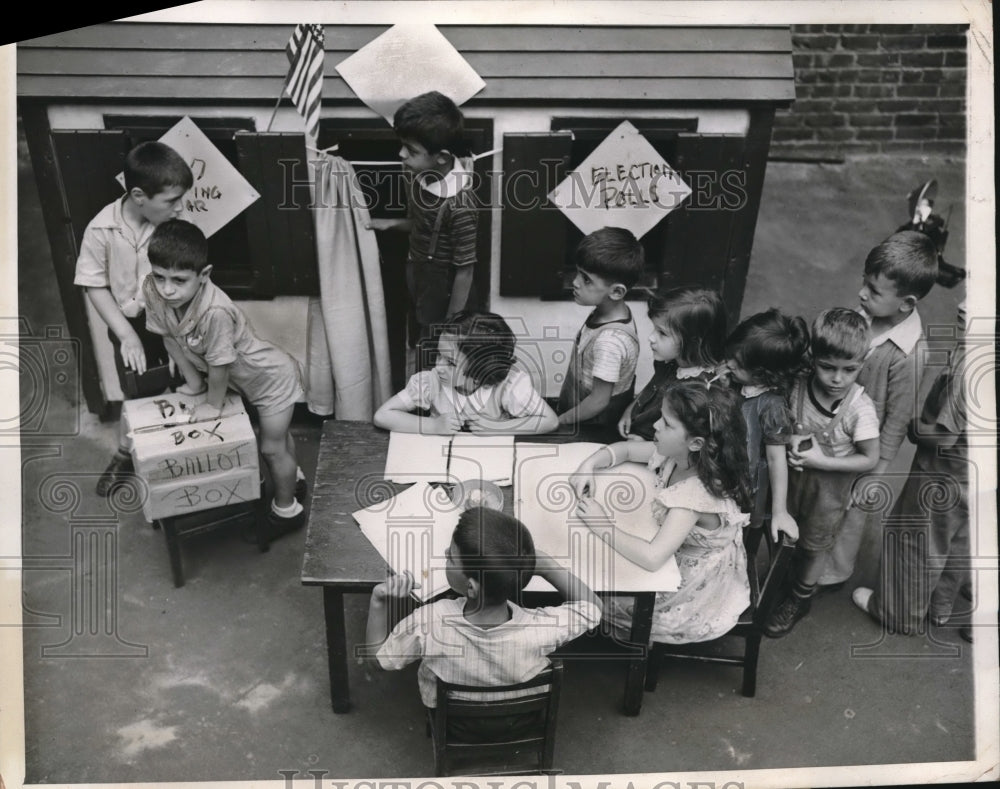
{"x": 623, "y": 183}
{"x": 220, "y": 192}
{"x": 191, "y": 466}
{"x": 405, "y": 61}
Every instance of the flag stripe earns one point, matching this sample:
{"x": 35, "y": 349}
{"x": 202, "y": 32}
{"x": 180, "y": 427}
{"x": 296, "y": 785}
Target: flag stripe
{"x": 304, "y": 83}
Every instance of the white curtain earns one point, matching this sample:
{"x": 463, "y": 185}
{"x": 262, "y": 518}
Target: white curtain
{"x": 347, "y": 352}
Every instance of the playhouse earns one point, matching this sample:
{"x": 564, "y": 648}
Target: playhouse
{"x": 703, "y": 97}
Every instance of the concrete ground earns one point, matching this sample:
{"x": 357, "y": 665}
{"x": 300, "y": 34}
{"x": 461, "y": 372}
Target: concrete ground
{"x": 225, "y": 678}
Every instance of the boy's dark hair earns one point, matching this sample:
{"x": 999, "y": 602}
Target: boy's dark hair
{"x": 434, "y": 121}
{"x": 497, "y": 550}
{"x": 154, "y": 167}
{"x": 613, "y": 254}
{"x": 909, "y": 258}
{"x": 487, "y": 343}
{"x": 714, "y": 413}
{"x": 697, "y": 318}
{"x": 771, "y": 346}
{"x": 840, "y": 333}
{"x": 176, "y": 244}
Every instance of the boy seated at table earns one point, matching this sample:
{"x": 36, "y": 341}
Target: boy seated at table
{"x": 482, "y": 637}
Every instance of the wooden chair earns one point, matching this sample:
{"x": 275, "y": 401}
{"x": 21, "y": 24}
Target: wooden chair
{"x": 524, "y": 753}
{"x": 178, "y": 528}
{"x": 767, "y": 574}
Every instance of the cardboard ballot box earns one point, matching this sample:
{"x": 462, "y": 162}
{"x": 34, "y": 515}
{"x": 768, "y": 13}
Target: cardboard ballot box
{"x": 187, "y": 466}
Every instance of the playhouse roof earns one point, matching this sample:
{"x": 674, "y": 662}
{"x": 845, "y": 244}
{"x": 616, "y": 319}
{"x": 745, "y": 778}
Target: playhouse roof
{"x": 157, "y": 62}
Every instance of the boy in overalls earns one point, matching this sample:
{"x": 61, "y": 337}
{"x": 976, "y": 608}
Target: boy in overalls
{"x": 600, "y": 381}
{"x": 836, "y": 437}
{"x": 441, "y": 214}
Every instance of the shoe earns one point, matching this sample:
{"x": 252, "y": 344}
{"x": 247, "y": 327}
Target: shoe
{"x": 965, "y": 631}
{"x": 861, "y": 596}
{"x": 784, "y": 617}
{"x": 966, "y": 591}
{"x": 118, "y": 470}
{"x": 279, "y": 527}
{"x": 300, "y": 490}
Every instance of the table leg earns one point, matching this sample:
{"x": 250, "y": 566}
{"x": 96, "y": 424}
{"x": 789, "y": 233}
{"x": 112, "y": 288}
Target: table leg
{"x": 336, "y": 648}
{"x": 642, "y": 625}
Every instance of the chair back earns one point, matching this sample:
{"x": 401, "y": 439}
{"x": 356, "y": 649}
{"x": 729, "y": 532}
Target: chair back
{"x": 509, "y": 736}
{"x": 768, "y": 577}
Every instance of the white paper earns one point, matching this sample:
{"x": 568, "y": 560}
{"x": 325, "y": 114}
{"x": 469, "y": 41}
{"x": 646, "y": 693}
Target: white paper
{"x": 411, "y": 531}
{"x": 415, "y": 457}
{"x": 220, "y": 192}
{"x": 405, "y": 61}
{"x": 490, "y": 458}
{"x": 623, "y": 183}
{"x": 545, "y": 502}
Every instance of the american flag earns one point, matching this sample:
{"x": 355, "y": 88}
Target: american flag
{"x": 304, "y": 85}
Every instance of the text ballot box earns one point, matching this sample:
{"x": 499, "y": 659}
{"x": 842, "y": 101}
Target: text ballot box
{"x": 191, "y": 466}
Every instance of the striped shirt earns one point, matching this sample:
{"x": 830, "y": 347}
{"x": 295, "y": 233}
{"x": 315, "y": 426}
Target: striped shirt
{"x": 456, "y": 242}
{"x": 458, "y": 651}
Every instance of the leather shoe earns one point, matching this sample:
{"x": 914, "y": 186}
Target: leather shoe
{"x": 118, "y": 470}
{"x": 784, "y": 617}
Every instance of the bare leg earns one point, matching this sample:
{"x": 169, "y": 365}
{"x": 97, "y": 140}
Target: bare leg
{"x": 278, "y": 449}
{"x": 194, "y": 380}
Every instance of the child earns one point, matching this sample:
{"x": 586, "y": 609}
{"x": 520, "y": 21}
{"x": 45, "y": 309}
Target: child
{"x": 483, "y": 637}
{"x": 600, "y": 381}
{"x": 764, "y": 354}
{"x": 441, "y": 212}
{"x": 836, "y": 437}
{"x": 699, "y": 453}
{"x": 898, "y": 273}
{"x": 113, "y": 263}
{"x": 207, "y": 335}
{"x": 474, "y": 385}
{"x": 689, "y": 327}
{"x": 924, "y": 565}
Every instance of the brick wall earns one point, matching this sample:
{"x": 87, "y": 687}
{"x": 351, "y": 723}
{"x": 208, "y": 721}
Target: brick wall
{"x": 875, "y": 89}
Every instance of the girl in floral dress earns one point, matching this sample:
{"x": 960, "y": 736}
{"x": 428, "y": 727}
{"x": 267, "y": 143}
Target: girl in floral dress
{"x": 699, "y": 456}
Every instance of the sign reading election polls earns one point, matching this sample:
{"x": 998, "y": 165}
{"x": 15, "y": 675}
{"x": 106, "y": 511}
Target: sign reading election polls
{"x": 219, "y": 192}
{"x": 623, "y": 183}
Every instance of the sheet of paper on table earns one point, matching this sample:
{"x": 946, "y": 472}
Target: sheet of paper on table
{"x": 546, "y": 504}
{"x": 414, "y": 457}
{"x": 411, "y": 531}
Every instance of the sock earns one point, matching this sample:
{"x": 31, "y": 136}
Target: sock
{"x": 803, "y": 591}
{"x": 286, "y": 512}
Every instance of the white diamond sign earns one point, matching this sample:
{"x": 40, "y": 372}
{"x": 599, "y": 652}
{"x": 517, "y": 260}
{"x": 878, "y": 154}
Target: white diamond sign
{"x": 405, "y": 61}
{"x": 219, "y": 192}
{"x": 623, "y": 183}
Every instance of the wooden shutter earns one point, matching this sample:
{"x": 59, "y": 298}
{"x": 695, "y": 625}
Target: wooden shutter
{"x": 699, "y": 233}
{"x": 532, "y": 239}
{"x": 280, "y": 231}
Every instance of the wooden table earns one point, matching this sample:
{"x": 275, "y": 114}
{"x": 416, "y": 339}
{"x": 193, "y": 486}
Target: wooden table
{"x": 339, "y": 558}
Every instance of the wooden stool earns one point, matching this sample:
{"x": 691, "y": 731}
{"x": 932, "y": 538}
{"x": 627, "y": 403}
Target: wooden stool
{"x": 177, "y": 528}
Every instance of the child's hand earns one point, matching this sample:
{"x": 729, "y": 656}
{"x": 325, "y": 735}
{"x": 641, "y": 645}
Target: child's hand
{"x": 480, "y": 424}
{"x": 204, "y": 412}
{"x": 783, "y": 522}
{"x": 582, "y": 481}
{"x": 397, "y": 586}
{"x": 380, "y": 224}
{"x": 592, "y": 513}
{"x": 625, "y": 423}
{"x": 133, "y": 354}
{"x": 443, "y": 425}
{"x": 811, "y": 457}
